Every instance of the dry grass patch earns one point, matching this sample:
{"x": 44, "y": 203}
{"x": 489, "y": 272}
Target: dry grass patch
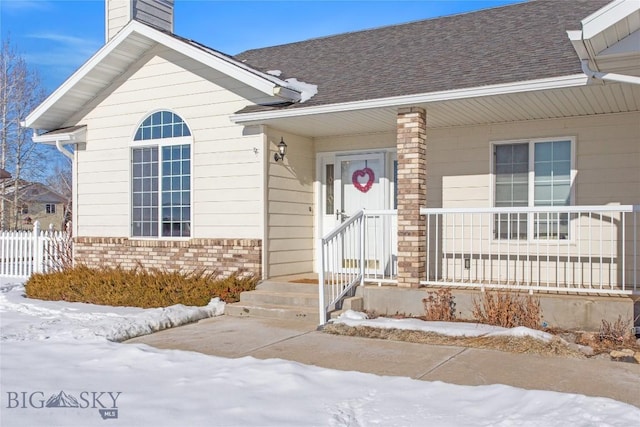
{"x": 524, "y": 345}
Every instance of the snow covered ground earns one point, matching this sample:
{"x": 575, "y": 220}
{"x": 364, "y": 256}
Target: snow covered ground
{"x": 59, "y": 366}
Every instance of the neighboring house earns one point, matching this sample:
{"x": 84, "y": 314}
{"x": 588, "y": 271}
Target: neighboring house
{"x": 4, "y": 174}
{"x": 36, "y": 202}
{"x": 518, "y": 128}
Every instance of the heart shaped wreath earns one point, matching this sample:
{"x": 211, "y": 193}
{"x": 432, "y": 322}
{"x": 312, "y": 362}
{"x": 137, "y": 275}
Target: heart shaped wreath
{"x": 355, "y": 178}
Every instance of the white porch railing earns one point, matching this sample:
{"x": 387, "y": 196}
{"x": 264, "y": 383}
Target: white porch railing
{"x": 363, "y": 248}
{"x": 594, "y": 249}
{"x": 23, "y": 253}
{"x": 569, "y": 249}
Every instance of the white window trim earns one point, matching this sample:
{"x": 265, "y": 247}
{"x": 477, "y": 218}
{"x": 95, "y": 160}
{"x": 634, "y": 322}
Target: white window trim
{"x": 160, "y": 143}
{"x": 531, "y": 182}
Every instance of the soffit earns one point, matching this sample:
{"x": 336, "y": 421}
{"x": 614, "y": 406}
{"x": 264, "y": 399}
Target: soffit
{"x": 96, "y": 79}
{"x": 559, "y": 103}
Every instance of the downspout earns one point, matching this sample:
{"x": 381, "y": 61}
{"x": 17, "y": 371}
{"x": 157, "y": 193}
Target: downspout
{"x": 59, "y": 146}
{"x": 63, "y": 150}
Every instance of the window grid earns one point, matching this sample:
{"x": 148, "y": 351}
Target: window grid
{"x": 552, "y": 187}
{"x": 161, "y": 178}
{"x": 161, "y": 125}
{"x": 50, "y": 208}
{"x": 550, "y": 165}
{"x": 144, "y": 165}
{"x": 511, "y": 168}
{"x": 176, "y": 190}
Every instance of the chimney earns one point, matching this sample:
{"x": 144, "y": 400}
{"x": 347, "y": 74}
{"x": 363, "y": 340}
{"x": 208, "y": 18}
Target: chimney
{"x": 118, "y": 13}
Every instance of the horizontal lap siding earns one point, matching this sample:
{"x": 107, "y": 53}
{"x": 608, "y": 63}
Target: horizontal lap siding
{"x": 226, "y": 169}
{"x": 608, "y": 172}
{"x": 290, "y": 206}
{"x": 607, "y": 159}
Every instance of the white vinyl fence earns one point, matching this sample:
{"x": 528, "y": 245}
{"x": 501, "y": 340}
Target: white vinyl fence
{"x": 23, "y": 253}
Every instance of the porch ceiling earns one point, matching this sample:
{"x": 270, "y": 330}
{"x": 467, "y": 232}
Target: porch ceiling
{"x": 592, "y": 99}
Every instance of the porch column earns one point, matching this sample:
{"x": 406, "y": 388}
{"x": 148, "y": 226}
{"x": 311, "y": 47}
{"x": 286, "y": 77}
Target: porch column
{"x": 412, "y": 195}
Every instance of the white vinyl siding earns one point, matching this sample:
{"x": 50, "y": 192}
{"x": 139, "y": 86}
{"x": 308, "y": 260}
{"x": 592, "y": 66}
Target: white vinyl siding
{"x": 226, "y": 159}
{"x": 289, "y": 193}
{"x": 607, "y": 155}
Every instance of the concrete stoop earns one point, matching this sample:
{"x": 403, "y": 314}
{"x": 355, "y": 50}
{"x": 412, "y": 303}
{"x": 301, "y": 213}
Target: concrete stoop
{"x": 278, "y": 300}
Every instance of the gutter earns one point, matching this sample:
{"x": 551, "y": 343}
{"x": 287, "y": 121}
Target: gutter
{"x": 619, "y": 78}
{"x": 569, "y": 81}
{"x": 591, "y": 54}
{"x": 61, "y": 139}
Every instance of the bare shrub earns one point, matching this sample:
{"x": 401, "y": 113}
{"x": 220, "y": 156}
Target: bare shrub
{"x": 617, "y": 332}
{"x": 439, "y": 305}
{"x": 507, "y": 309}
{"x": 59, "y": 251}
{"x": 140, "y": 287}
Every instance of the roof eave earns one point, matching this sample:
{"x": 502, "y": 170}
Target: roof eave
{"x": 607, "y": 16}
{"x": 607, "y": 42}
{"x": 560, "y": 82}
{"x": 262, "y": 82}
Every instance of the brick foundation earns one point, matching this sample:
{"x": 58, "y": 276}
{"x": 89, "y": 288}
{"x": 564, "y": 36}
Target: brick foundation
{"x": 412, "y": 195}
{"x": 225, "y": 255}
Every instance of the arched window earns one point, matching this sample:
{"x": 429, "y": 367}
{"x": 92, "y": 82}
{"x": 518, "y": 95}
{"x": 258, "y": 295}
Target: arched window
{"x": 161, "y": 125}
{"x": 161, "y": 177}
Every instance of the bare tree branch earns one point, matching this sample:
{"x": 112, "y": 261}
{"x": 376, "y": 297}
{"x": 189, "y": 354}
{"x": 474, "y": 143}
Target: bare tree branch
{"x": 20, "y": 93}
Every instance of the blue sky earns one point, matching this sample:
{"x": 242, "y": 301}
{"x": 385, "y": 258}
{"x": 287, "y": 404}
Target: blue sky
{"x": 57, "y": 36}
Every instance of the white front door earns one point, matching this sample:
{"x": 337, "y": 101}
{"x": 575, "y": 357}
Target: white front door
{"x": 352, "y": 182}
{"x": 340, "y": 197}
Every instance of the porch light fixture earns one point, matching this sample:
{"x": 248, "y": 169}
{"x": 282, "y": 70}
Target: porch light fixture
{"x": 282, "y": 150}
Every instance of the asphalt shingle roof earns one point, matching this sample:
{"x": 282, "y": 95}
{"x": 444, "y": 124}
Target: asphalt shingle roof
{"x": 525, "y": 41}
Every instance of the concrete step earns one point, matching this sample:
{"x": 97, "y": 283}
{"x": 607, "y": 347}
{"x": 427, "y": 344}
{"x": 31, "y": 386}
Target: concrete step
{"x": 303, "y": 288}
{"x": 298, "y": 299}
{"x": 273, "y": 311}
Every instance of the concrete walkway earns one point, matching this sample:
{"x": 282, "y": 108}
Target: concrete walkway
{"x": 234, "y": 337}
